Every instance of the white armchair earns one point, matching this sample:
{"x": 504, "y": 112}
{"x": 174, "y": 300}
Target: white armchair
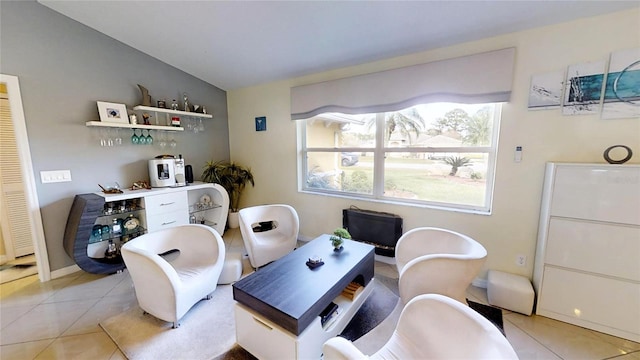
{"x": 433, "y": 326}
{"x": 269, "y": 232}
{"x": 437, "y": 261}
{"x": 167, "y": 289}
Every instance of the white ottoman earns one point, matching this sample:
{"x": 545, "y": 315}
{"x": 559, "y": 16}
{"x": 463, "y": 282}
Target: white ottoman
{"x": 511, "y": 292}
{"x": 232, "y": 269}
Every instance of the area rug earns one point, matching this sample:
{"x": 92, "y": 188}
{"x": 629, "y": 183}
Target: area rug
{"x": 372, "y": 312}
{"x": 208, "y": 330}
{"x": 491, "y": 313}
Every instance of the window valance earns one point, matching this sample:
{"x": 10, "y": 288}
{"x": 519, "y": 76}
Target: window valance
{"x": 479, "y": 78}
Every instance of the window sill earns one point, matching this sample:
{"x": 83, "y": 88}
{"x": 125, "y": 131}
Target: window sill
{"x": 399, "y": 203}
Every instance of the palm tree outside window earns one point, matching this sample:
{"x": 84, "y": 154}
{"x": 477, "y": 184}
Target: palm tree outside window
{"x": 439, "y": 154}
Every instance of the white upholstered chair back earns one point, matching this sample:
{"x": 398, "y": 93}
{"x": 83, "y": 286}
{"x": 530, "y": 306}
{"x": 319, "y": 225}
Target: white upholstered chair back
{"x": 438, "y": 261}
{"x": 167, "y": 289}
{"x": 433, "y": 326}
{"x": 266, "y": 246}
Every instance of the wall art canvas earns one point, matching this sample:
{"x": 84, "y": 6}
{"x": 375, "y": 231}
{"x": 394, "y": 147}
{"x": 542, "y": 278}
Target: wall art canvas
{"x": 622, "y": 87}
{"x": 583, "y": 88}
{"x": 261, "y": 123}
{"x": 545, "y": 91}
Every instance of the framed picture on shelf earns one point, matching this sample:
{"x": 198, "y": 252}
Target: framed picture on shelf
{"x": 112, "y": 112}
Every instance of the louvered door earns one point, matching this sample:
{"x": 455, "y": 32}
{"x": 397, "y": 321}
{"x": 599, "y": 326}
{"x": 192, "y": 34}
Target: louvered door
{"x": 16, "y": 227}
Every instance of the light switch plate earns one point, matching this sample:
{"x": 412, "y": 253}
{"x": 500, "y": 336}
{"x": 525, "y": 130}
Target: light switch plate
{"x": 55, "y": 176}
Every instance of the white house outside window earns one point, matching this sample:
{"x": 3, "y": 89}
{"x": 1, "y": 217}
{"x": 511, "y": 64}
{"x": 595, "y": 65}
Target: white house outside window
{"x": 438, "y": 154}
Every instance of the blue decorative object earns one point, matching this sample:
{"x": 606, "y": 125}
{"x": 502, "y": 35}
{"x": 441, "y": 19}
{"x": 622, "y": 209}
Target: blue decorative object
{"x": 314, "y": 262}
{"x": 261, "y": 123}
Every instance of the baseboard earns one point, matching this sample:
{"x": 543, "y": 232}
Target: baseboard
{"x": 3, "y": 259}
{"x": 304, "y": 238}
{"x": 64, "y": 271}
{"x": 481, "y": 283}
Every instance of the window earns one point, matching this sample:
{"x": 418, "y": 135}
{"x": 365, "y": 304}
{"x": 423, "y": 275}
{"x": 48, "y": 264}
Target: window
{"x": 438, "y": 154}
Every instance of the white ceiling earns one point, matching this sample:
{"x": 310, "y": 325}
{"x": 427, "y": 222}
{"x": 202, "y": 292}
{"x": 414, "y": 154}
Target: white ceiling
{"x": 233, "y": 44}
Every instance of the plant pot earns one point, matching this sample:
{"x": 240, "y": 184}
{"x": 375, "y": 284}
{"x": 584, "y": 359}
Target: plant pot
{"x": 233, "y": 220}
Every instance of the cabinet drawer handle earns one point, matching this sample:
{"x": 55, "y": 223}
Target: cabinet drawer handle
{"x": 165, "y": 204}
{"x": 263, "y": 323}
{"x": 168, "y": 223}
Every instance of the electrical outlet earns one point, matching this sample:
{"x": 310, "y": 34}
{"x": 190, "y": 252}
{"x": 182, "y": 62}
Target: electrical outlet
{"x": 521, "y": 260}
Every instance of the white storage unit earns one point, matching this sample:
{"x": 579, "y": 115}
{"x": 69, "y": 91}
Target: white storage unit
{"x": 266, "y": 340}
{"x": 172, "y": 206}
{"x": 154, "y": 209}
{"x": 166, "y": 210}
{"x": 587, "y": 267}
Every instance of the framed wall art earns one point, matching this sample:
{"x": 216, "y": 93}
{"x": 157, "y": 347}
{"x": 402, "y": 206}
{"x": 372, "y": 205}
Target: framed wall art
{"x": 582, "y": 88}
{"x": 545, "y": 91}
{"x": 113, "y": 112}
{"x": 261, "y": 123}
{"x": 622, "y": 88}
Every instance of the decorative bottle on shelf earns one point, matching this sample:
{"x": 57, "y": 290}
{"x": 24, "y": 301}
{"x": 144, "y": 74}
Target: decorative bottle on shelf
{"x": 192, "y": 219}
{"x": 112, "y": 251}
{"x": 116, "y": 227}
{"x": 187, "y": 106}
{"x": 174, "y": 105}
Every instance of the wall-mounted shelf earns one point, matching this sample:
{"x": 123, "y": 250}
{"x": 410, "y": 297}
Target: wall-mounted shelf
{"x": 175, "y": 112}
{"x": 132, "y": 126}
{"x": 151, "y": 127}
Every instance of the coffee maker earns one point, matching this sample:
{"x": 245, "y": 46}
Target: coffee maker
{"x": 167, "y": 171}
{"x": 179, "y": 170}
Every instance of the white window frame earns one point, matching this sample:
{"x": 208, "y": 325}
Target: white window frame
{"x": 378, "y": 167}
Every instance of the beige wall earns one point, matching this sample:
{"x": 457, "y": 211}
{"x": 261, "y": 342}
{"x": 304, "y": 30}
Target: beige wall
{"x": 544, "y": 135}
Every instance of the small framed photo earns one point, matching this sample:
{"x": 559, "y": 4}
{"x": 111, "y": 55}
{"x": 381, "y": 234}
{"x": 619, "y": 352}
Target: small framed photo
{"x": 111, "y": 112}
{"x": 261, "y": 123}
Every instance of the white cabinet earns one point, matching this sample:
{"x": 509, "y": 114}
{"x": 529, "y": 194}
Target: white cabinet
{"x": 266, "y": 340}
{"x": 166, "y": 210}
{"x": 587, "y": 268}
{"x": 172, "y": 206}
{"x": 155, "y": 209}
{"x": 209, "y": 206}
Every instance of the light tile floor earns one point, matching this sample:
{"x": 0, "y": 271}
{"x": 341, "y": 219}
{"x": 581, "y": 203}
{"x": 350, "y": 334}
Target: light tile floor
{"x": 59, "y": 320}
{"x": 22, "y": 270}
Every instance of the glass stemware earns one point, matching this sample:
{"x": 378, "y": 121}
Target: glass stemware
{"x": 173, "y": 143}
{"x": 134, "y": 138}
{"x": 163, "y": 141}
{"x": 143, "y": 137}
{"x": 103, "y": 137}
{"x": 118, "y": 138}
{"x": 201, "y": 125}
{"x": 149, "y": 138}
{"x": 110, "y": 142}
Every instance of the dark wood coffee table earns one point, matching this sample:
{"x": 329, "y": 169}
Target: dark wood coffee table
{"x": 278, "y": 306}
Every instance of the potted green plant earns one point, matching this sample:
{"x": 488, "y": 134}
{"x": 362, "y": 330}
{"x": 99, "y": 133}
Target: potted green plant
{"x": 337, "y": 239}
{"x": 233, "y": 178}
